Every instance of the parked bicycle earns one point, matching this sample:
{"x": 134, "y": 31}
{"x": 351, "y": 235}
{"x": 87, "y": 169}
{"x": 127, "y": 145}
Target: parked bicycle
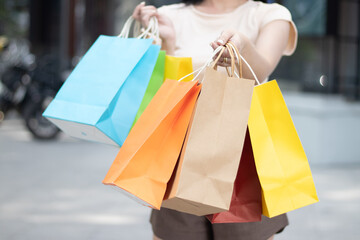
{"x": 28, "y": 86}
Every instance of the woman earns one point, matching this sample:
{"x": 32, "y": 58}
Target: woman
{"x": 263, "y": 33}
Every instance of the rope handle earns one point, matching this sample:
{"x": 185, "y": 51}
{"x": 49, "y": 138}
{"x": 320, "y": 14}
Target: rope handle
{"x": 152, "y": 30}
{"x": 239, "y": 56}
{"x": 220, "y": 49}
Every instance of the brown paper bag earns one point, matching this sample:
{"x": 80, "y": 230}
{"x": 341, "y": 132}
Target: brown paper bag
{"x": 204, "y": 178}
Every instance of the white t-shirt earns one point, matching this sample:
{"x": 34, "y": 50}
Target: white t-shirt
{"x": 195, "y": 29}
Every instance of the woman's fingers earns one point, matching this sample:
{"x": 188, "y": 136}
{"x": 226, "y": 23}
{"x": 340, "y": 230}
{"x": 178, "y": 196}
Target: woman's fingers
{"x": 146, "y": 13}
{"x": 225, "y": 56}
{"x": 143, "y": 13}
{"x": 221, "y": 41}
{"x": 147, "y": 8}
{"x": 136, "y": 14}
{"x": 225, "y": 36}
{"x": 223, "y": 61}
{"x": 223, "y": 64}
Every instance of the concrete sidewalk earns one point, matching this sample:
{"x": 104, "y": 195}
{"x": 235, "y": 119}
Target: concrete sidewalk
{"x": 52, "y": 190}
{"x": 337, "y": 215}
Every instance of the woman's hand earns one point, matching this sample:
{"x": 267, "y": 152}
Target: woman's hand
{"x": 143, "y": 14}
{"x": 238, "y": 39}
{"x": 263, "y": 55}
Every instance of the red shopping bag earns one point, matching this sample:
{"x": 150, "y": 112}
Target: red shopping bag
{"x": 246, "y": 199}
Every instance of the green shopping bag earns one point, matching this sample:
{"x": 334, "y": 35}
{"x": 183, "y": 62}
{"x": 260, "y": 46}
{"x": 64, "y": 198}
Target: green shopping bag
{"x": 157, "y": 78}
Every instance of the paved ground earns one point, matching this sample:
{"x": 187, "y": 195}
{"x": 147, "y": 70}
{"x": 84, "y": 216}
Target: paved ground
{"x": 53, "y": 191}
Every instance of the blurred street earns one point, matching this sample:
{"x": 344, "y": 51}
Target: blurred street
{"x": 53, "y": 190}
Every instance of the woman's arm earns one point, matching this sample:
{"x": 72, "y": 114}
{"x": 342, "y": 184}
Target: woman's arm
{"x": 265, "y": 54}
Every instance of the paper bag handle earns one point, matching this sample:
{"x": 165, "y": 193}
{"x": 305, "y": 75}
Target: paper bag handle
{"x": 233, "y": 51}
{"x": 236, "y": 52}
{"x": 239, "y": 56}
{"x": 214, "y": 66}
{"x": 152, "y": 31}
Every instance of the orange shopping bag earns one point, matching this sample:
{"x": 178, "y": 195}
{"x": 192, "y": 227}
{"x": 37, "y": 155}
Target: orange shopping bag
{"x": 148, "y": 156}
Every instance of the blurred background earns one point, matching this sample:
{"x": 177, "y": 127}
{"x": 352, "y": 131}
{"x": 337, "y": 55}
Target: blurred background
{"x": 50, "y": 184}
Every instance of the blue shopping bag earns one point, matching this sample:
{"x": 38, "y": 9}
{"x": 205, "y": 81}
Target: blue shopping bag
{"x": 100, "y": 98}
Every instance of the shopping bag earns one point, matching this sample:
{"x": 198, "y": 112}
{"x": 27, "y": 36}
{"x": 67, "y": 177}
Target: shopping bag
{"x": 157, "y": 78}
{"x": 147, "y": 159}
{"x": 281, "y": 163}
{"x": 100, "y": 98}
{"x": 178, "y": 67}
{"x": 167, "y": 67}
{"x": 204, "y": 178}
{"x": 245, "y": 203}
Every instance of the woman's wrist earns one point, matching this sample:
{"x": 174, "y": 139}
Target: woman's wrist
{"x": 168, "y": 45}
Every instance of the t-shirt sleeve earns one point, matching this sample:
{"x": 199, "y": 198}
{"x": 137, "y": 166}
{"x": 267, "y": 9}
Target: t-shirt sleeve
{"x": 272, "y": 12}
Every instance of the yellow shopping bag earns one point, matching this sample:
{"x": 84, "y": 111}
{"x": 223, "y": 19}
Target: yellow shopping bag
{"x": 178, "y": 67}
{"x": 281, "y": 163}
